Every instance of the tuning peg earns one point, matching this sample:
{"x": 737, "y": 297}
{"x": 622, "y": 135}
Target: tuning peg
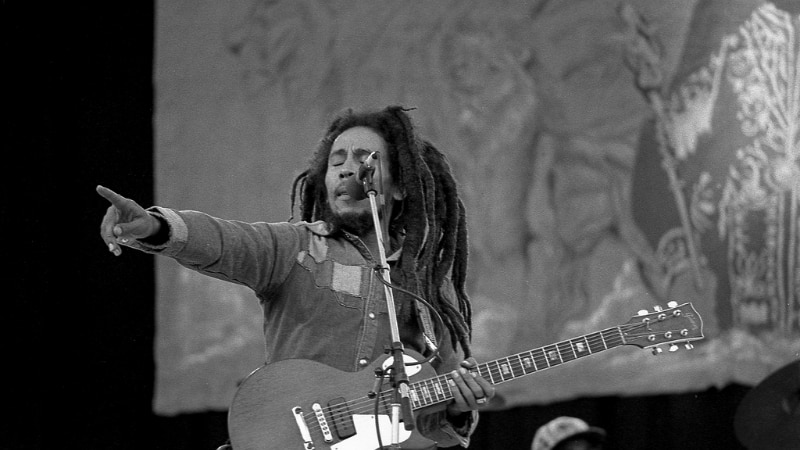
{"x": 657, "y": 308}
{"x": 688, "y": 345}
{"x": 673, "y": 348}
{"x": 642, "y": 312}
{"x": 672, "y": 304}
{"x": 657, "y": 350}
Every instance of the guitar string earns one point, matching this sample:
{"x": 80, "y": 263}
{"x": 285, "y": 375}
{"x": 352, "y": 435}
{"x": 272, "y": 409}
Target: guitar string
{"x": 366, "y": 404}
{"x": 359, "y": 406}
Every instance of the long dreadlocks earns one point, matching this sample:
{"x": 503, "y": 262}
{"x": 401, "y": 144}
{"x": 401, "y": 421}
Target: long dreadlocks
{"x": 432, "y": 214}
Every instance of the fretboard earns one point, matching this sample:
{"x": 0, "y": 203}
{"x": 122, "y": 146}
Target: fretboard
{"x": 437, "y": 389}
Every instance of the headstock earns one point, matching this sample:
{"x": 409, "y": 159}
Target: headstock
{"x": 674, "y": 325}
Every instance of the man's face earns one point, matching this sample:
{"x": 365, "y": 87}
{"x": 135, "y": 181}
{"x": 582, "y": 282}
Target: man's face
{"x": 348, "y": 152}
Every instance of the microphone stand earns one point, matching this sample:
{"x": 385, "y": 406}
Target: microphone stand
{"x": 399, "y": 378}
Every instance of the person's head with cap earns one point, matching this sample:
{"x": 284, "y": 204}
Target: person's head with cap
{"x": 568, "y": 433}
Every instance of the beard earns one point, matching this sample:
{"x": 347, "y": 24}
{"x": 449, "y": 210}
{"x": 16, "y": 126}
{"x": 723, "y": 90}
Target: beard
{"x": 358, "y": 223}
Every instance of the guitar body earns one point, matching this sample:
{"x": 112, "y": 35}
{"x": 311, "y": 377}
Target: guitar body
{"x": 264, "y": 412}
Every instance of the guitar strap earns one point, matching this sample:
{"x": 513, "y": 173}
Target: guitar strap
{"x": 427, "y": 326}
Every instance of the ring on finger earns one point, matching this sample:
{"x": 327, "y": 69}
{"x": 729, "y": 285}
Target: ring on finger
{"x": 481, "y": 400}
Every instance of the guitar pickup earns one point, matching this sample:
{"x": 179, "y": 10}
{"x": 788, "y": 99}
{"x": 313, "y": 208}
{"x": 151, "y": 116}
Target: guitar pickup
{"x": 323, "y": 423}
{"x": 342, "y": 419}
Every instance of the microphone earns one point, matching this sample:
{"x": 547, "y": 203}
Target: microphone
{"x": 358, "y": 186}
{"x": 367, "y": 169}
{"x": 355, "y": 189}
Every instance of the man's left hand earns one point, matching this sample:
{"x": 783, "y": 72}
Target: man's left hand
{"x": 470, "y": 390}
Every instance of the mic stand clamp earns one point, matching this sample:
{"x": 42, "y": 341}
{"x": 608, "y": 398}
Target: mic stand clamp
{"x": 378, "y": 383}
{"x": 400, "y": 383}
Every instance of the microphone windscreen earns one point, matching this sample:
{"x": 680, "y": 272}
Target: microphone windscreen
{"x": 355, "y": 189}
{"x": 364, "y": 171}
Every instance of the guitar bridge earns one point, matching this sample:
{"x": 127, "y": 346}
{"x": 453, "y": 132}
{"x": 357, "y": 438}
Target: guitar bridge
{"x": 308, "y": 444}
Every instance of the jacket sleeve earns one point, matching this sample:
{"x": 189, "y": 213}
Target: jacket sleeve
{"x": 448, "y": 431}
{"x": 258, "y": 255}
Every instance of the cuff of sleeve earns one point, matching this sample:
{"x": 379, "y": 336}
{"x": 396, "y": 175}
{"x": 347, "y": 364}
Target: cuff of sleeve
{"x": 178, "y": 233}
{"x": 462, "y": 427}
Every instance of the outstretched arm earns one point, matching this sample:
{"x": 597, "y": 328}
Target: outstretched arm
{"x": 124, "y": 220}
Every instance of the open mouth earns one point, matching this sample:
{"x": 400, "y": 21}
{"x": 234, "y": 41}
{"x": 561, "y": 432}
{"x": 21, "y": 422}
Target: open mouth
{"x": 349, "y": 191}
{"x": 341, "y": 190}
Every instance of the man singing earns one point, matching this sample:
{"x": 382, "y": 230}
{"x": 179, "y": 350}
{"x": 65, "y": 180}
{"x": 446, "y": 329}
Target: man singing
{"x": 319, "y": 279}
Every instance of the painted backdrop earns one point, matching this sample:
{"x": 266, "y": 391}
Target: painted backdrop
{"x": 604, "y": 168}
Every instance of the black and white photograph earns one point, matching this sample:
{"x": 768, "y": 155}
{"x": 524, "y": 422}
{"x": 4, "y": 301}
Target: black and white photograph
{"x": 420, "y": 224}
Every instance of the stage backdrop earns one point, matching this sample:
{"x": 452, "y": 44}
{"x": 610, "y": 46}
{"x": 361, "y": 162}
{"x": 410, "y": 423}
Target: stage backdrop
{"x": 604, "y": 168}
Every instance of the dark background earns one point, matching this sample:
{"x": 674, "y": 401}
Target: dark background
{"x": 79, "y": 112}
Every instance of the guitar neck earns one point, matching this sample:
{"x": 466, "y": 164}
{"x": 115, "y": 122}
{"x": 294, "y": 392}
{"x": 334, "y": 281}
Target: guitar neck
{"x": 435, "y": 390}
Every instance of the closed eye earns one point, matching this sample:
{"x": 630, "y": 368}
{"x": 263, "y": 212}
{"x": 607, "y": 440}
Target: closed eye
{"x": 337, "y": 158}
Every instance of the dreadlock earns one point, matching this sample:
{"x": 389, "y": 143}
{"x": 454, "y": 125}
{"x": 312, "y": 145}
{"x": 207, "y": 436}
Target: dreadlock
{"x": 433, "y": 216}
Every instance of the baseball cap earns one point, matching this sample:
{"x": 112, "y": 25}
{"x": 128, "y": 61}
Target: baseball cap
{"x": 562, "y": 428}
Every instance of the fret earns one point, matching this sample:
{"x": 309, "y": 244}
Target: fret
{"x": 580, "y": 347}
{"x": 620, "y": 335}
{"x": 608, "y": 338}
{"x": 445, "y": 386}
{"x": 421, "y": 394}
{"x": 604, "y": 339}
{"x": 438, "y": 393}
{"x": 528, "y": 363}
{"x": 540, "y": 359}
{"x": 435, "y": 393}
{"x": 415, "y": 401}
{"x": 518, "y": 368}
{"x": 596, "y": 342}
{"x": 494, "y": 372}
{"x": 483, "y": 370}
{"x": 426, "y": 394}
{"x": 566, "y": 351}
{"x": 611, "y": 337}
{"x": 552, "y": 354}
{"x": 430, "y": 391}
{"x": 437, "y": 389}
{"x": 505, "y": 370}
{"x": 486, "y": 372}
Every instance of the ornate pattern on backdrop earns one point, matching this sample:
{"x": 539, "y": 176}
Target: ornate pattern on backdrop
{"x": 543, "y": 122}
{"x": 716, "y": 187}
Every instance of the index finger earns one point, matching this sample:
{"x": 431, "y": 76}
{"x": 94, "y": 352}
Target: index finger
{"x": 115, "y": 199}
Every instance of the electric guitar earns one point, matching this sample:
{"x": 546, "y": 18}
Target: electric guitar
{"x": 302, "y": 404}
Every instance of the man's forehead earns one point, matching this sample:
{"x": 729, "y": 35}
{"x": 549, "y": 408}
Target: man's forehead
{"x": 359, "y": 137}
